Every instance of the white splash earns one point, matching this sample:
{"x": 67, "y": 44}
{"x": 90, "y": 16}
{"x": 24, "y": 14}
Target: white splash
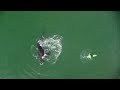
{"x": 87, "y": 55}
{"x": 52, "y": 45}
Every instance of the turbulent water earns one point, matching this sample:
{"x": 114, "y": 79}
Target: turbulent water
{"x": 52, "y": 49}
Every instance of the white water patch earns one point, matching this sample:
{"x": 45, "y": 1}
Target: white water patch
{"x": 51, "y": 45}
{"x": 87, "y": 55}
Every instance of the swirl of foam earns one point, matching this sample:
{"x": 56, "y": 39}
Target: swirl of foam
{"x": 51, "y": 45}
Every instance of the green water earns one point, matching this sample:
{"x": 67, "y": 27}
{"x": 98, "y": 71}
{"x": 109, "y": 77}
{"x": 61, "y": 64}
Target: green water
{"x": 97, "y": 31}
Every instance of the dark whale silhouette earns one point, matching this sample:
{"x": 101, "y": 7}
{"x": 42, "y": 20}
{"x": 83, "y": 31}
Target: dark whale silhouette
{"x": 40, "y": 52}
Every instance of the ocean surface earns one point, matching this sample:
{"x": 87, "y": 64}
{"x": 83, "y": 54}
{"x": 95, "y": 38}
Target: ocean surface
{"x": 95, "y": 34}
